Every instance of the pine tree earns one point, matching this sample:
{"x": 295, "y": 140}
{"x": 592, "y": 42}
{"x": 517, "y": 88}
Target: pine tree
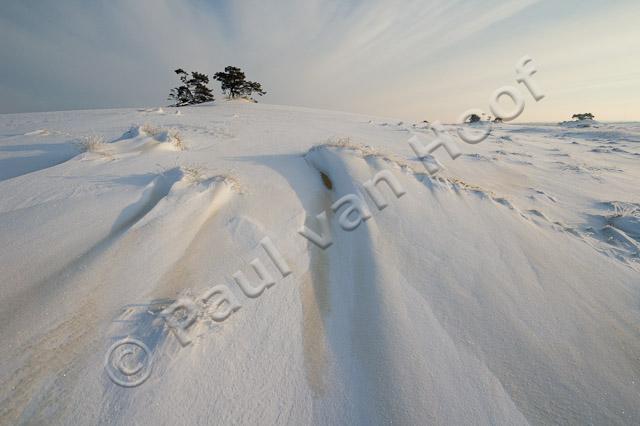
{"x": 193, "y": 91}
{"x": 201, "y": 93}
{"x": 234, "y": 83}
{"x": 231, "y": 81}
{"x": 251, "y": 86}
{"x": 181, "y": 94}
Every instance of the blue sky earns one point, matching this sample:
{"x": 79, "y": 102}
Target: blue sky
{"x": 410, "y": 59}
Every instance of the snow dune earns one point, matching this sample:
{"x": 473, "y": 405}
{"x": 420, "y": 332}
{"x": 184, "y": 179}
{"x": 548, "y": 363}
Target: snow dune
{"x": 503, "y": 290}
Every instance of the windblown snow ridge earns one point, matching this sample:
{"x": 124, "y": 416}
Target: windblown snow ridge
{"x": 625, "y": 246}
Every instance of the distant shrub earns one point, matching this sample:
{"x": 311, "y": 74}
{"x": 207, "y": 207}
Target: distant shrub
{"x": 473, "y": 118}
{"x": 583, "y": 116}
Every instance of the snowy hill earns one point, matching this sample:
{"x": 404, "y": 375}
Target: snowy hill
{"x": 503, "y": 290}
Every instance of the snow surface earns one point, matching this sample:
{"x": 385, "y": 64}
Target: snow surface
{"x": 504, "y": 290}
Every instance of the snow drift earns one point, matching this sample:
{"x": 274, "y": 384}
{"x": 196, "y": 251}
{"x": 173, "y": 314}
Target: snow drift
{"x": 501, "y": 291}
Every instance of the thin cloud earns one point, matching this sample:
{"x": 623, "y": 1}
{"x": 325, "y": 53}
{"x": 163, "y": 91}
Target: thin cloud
{"x": 388, "y": 57}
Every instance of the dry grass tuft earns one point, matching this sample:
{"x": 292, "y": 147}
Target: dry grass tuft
{"x": 194, "y": 173}
{"x": 164, "y": 135}
{"x": 175, "y": 138}
{"x": 95, "y": 144}
{"x": 150, "y": 129}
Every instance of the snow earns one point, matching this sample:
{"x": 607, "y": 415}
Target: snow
{"x": 503, "y": 290}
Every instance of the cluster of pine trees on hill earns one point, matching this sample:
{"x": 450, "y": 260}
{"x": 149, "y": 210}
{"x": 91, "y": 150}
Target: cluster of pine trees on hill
{"x": 194, "y": 89}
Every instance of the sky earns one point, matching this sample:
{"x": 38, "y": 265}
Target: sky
{"x": 421, "y": 60}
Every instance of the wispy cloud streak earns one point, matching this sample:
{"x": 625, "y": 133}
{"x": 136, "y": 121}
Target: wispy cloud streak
{"x": 413, "y": 57}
